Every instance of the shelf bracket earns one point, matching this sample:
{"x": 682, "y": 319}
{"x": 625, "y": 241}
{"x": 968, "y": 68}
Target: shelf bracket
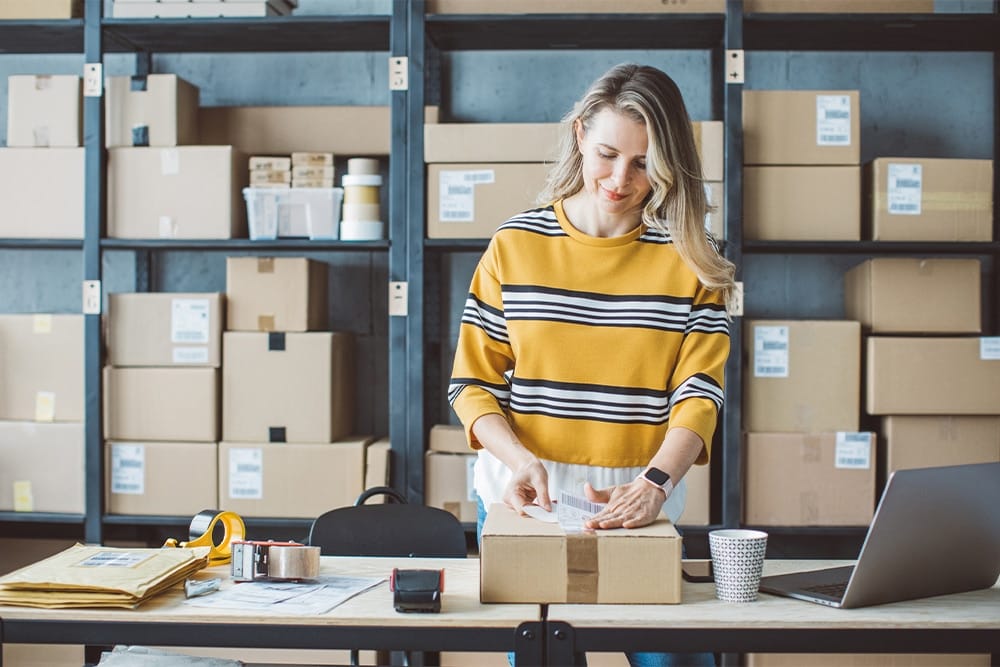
{"x": 93, "y": 79}
{"x": 399, "y": 77}
{"x": 734, "y": 66}
{"x": 398, "y": 305}
{"x": 91, "y": 297}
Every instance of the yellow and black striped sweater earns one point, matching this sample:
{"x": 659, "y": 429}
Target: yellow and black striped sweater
{"x": 591, "y": 347}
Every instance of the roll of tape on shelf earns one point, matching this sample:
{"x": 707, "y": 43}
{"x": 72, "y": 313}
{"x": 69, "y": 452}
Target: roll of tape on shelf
{"x": 372, "y": 180}
{"x": 202, "y": 534}
{"x": 361, "y": 230}
{"x": 362, "y": 165}
{"x": 362, "y": 212}
{"x": 360, "y": 194}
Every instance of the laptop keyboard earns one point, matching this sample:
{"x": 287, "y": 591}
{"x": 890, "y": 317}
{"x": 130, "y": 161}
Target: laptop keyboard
{"x": 835, "y": 590}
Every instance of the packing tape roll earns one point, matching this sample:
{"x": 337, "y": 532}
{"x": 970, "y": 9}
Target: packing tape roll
{"x": 362, "y": 165}
{"x": 360, "y": 194}
{"x": 202, "y": 532}
{"x": 361, "y": 230}
{"x": 293, "y": 562}
{"x": 370, "y": 180}
{"x": 362, "y": 212}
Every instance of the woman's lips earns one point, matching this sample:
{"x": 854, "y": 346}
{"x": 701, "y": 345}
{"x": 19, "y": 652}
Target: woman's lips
{"x": 613, "y": 196}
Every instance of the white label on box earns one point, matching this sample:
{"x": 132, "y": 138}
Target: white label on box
{"x": 170, "y": 162}
{"x": 905, "y": 188}
{"x": 190, "y": 355}
{"x": 470, "y": 477}
{"x": 45, "y": 406}
{"x": 770, "y": 352}
{"x": 24, "y": 500}
{"x": 989, "y": 348}
{"x": 457, "y": 194}
{"x": 128, "y": 469}
{"x": 168, "y": 229}
{"x": 190, "y": 320}
{"x": 246, "y": 473}
{"x": 41, "y": 324}
{"x": 833, "y": 120}
{"x": 854, "y": 450}
{"x": 116, "y": 559}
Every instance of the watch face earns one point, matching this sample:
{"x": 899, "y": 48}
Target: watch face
{"x": 657, "y": 476}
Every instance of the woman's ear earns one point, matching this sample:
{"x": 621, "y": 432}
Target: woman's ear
{"x": 578, "y": 130}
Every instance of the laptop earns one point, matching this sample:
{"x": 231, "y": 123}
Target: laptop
{"x": 936, "y": 531}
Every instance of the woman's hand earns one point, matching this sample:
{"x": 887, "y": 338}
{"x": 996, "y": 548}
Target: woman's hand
{"x": 628, "y": 505}
{"x": 529, "y": 484}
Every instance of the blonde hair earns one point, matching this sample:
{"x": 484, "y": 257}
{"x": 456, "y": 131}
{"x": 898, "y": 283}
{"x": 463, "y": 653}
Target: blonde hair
{"x": 677, "y": 203}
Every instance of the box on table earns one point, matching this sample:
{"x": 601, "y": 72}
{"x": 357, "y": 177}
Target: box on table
{"x": 147, "y": 477}
{"x": 41, "y": 467}
{"x": 165, "y": 329}
{"x": 923, "y": 199}
{"x": 150, "y": 403}
{"x": 41, "y": 368}
{"x": 800, "y": 127}
{"x": 159, "y": 110}
{"x": 802, "y": 376}
{"x": 449, "y": 484}
{"x": 187, "y": 192}
{"x": 698, "y": 504}
{"x": 41, "y": 9}
{"x": 293, "y": 212}
{"x": 802, "y": 203}
{"x": 911, "y": 295}
{"x": 931, "y": 440}
{"x": 933, "y": 376}
{"x": 524, "y": 560}
{"x": 275, "y": 294}
{"x": 472, "y": 200}
{"x": 574, "y": 6}
{"x": 287, "y": 387}
{"x": 839, "y": 6}
{"x": 449, "y": 438}
{"x": 378, "y": 460}
{"x": 290, "y": 480}
{"x": 809, "y": 479}
{"x": 28, "y": 179}
{"x": 44, "y": 110}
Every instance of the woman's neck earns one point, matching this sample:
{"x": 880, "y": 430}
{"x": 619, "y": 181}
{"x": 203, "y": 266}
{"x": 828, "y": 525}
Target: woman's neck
{"x": 591, "y": 220}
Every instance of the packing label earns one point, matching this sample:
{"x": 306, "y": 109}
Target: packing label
{"x": 128, "y": 469}
{"x": 833, "y": 120}
{"x": 853, "y": 450}
{"x": 45, "y": 406}
{"x": 116, "y": 559}
{"x": 457, "y": 193}
{"x": 41, "y": 324}
{"x": 989, "y": 348}
{"x": 572, "y": 511}
{"x": 905, "y": 188}
{"x": 190, "y": 321}
{"x": 246, "y": 473}
{"x": 770, "y": 351}
{"x": 170, "y": 162}
{"x": 24, "y": 500}
{"x": 190, "y": 355}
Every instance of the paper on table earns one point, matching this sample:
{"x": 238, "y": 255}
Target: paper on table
{"x": 316, "y": 596}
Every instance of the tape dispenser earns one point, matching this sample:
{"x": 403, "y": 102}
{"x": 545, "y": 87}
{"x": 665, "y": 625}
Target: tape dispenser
{"x": 274, "y": 561}
{"x": 202, "y": 534}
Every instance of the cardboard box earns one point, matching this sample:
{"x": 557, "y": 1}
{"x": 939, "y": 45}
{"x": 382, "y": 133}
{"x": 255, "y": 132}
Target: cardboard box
{"x": 44, "y": 110}
{"x": 160, "y": 9}
{"x": 41, "y": 467}
{"x": 378, "y": 458}
{"x": 932, "y": 376}
{"x": 28, "y": 177}
{"x": 801, "y": 479}
{"x": 574, "y": 6}
{"x": 802, "y": 203}
{"x": 188, "y": 192}
{"x": 798, "y": 127}
{"x": 710, "y": 140}
{"x": 41, "y": 9}
{"x": 449, "y": 484}
{"x": 491, "y": 142}
{"x": 290, "y": 480}
{"x": 275, "y": 294}
{"x": 41, "y": 368}
{"x": 923, "y": 199}
{"x": 525, "y": 560}
{"x": 449, "y": 438}
{"x": 158, "y": 110}
{"x": 698, "y": 505}
{"x": 144, "y": 477}
{"x": 839, "y": 7}
{"x": 165, "y": 329}
{"x": 802, "y": 376}
{"x": 866, "y": 660}
{"x": 287, "y": 387}
{"x": 911, "y": 295}
{"x": 472, "y": 200}
{"x": 929, "y": 441}
{"x": 180, "y": 404}
{"x": 715, "y": 221}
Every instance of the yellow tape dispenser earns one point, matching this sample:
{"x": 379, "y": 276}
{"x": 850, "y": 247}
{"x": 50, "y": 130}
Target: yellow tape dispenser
{"x": 202, "y": 534}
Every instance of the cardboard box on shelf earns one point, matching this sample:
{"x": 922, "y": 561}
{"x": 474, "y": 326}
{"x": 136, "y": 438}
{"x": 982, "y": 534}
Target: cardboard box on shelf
{"x": 801, "y": 127}
{"x": 29, "y": 480}
{"x": 159, "y": 110}
{"x": 839, "y": 6}
{"x": 41, "y": 9}
{"x": 449, "y": 484}
{"x": 525, "y": 560}
{"x": 44, "y": 110}
{"x": 158, "y": 9}
{"x": 912, "y": 295}
{"x": 710, "y": 140}
{"x": 275, "y": 294}
{"x": 187, "y": 192}
{"x": 697, "y": 507}
{"x": 802, "y": 376}
{"x": 449, "y": 438}
{"x": 867, "y": 660}
{"x": 28, "y": 177}
{"x": 378, "y": 458}
{"x": 927, "y": 441}
{"x": 802, "y": 203}
{"x": 491, "y": 142}
{"x": 142, "y": 477}
{"x": 41, "y": 368}
{"x": 165, "y": 329}
{"x": 287, "y": 387}
{"x": 574, "y": 6}
{"x": 803, "y": 479}
{"x": 180, "y": 404}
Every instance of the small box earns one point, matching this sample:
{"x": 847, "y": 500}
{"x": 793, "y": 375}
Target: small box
{"x": 449, "y": 438}
{"x": 41, "y": 467}
{"x": 275, "y": 294}
{"x": 922, "y": 441}
{"x": 41, "y": 9}
{"x": 41, "y": 368}
{"x": 159, "y": 110}
{"x": 524, "y": 560}
{"x": 802, "y": 203}
{"x": 801, "y": 127}
{"x": 165, "y": 329}
{"x": 44, "y": 111}
{"x": 293, "y": 212}
{"x": 28, "y": 177}
{"x": 449, "y": 484}
{"x": 180, "y": 404}
{"x": 144, "y": 478}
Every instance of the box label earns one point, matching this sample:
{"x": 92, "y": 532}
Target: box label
{"x": 989, "y": 348}
{"x": 770, "y": 352}
{"x": 41, "y": 324}
{"x": 190, "y": 355}
{"x": 116, "y": 559}
{"x": 24, "y": 500}
{"x": 128, "y": 469}
{"x": 45, "y": 406}
{"x": 246, "y": 473}
{"x": 905, "y": 188}
{"x": 457, "y": 192}
{"x": 833, "y": 120}
{"x": 853, "y": 451}
{"x": 170, "y": 162}
{"x": 190, "y": 321}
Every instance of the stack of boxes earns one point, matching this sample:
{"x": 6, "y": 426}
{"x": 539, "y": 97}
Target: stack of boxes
{"x": 448, "y": 466}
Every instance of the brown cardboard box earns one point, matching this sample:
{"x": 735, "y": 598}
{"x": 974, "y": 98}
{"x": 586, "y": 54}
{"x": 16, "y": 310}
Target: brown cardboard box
{"x": 29, "y": 481}
{"x": 449, "y": 438}
{"x": 911, "y": 199}
{"x": 525, "y": 560}
{"x": 41, "y": 9}
{"x": 911, "y": 295}
{"x": 161, "y": 478}
{"x": 710, "y": 140}
{"x": 158, "y": 110}
{"x": 574, "y": 6}
{"x": 187, "y": 192}
{"x": 275, "y": 294}
{"x": 797, "y": 127}
{"x": 929, "y": 441}
{"x": 715, "y": 221}
{"x": 697, "y": 506}
{"x": 866, "y": 660}
{"x": 802, "y": 203}
{"x": 28, "y": 179}
{"x": 480, "y": 198}
{"x": 491, "y": 142}
{"x": 41, "y": 368}
{"x": 377, "y": 465}
{"x": 180, "y": 404}
{"x": 800, "y": 479}
{"x": 932, "y": 376}
{"x": 802, "y": 376}
{"x": 287, "y": 387}
{"x": 449, "y": 483}
{"x": 44, "y": 110}
{"x": 290, "y": 480}
{"x": 839, "y": 6}
{"x": 165, "y": 329}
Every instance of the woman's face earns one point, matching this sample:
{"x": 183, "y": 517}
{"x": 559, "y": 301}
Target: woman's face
{"x": 614, "y": 161}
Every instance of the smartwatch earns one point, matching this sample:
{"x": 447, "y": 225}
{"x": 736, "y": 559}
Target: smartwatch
{"x": 659, "y": 479}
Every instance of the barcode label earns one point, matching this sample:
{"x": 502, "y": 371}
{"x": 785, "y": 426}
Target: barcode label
{"x": 190, "y": 321}
{"x": 457, "y": 193}
{"x": 833, "y": 120}
{"x": 246, "y": 473}
{"x": 989, "y": 348}
{"x": 190, "y": 355}
{"x": 578, "y": 503}
{"x": 853, "y": 451}
{"x": 904, "y": 189}
{"x": 128, "y": 469}
{"x": 770, "y": 345}
{"x": 115, "y": 559}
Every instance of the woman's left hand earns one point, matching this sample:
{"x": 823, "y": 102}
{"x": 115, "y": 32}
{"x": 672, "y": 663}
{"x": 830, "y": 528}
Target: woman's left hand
{"x": 628, "y": 505}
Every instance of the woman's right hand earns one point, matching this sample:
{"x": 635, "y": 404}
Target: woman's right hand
{"x": 528, "y": 484}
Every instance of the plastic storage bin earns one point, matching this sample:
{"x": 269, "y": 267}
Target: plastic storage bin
{"x": 293, "y": 212}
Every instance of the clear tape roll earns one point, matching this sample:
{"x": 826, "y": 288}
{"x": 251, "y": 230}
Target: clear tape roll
{"x": 362, "y": 165}
{"x": 360, "y": 194}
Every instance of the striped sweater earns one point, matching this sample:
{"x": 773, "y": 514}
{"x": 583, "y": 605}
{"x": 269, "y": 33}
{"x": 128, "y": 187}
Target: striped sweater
{"x": 590, "y": 347}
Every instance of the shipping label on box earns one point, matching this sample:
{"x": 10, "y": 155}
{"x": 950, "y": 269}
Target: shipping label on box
{"x": 802, "y": 203}
{"x": 275, "y": 294}
{"x": 165, "y": 329}
{"x": 41, "y": 467}
{"x": 142, "y": 477}
{"x": 44, "y": 111}
{"x": 153, "y": 110}
{"x": 28, "y": 179}
{"x": 41, "y": 368}
{"x": 801, "y": 127}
